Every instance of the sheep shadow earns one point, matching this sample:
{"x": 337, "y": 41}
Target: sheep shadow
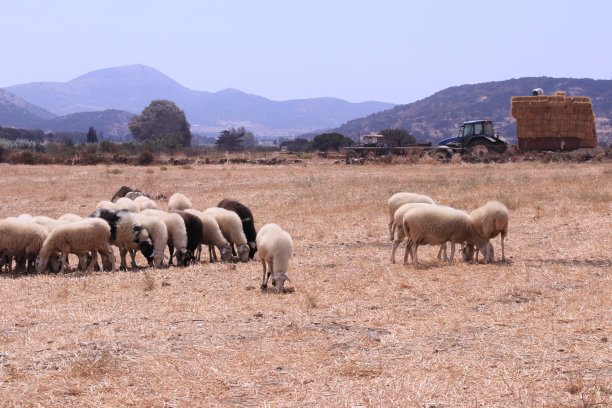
{"x": 584, "y": 263}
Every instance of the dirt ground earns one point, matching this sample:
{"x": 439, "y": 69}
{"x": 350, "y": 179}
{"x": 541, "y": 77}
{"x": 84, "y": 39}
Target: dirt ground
{"x": 357, "y": 331}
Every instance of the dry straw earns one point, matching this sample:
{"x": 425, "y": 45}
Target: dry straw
{"x": 356, "y": 331}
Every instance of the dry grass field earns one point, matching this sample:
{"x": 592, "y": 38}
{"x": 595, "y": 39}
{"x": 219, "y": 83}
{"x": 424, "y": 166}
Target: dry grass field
{"x": 357, "y": 331}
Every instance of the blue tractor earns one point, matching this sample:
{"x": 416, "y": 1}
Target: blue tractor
{"x": 476, "y": 137}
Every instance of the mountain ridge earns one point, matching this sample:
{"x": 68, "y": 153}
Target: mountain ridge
{"x": 131, "y": 88}
{"x": 440, "y": 114}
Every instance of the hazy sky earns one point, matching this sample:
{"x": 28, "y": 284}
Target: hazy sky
{"x": 387, "y": 50}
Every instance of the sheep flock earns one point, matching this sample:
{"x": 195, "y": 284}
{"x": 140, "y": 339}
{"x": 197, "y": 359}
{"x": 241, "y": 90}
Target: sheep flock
{"x": 133, "y": 222}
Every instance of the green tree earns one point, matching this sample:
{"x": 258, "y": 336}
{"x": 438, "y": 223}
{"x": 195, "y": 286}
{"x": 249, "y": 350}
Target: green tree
{"x": 330, "y": 141}
{"x": 159, "y": 120}
{"x": 235, "y": 140}
{"x": 297, "y": 145}
{"x": 399, "y": 137}
{"x": 92, "y": 135}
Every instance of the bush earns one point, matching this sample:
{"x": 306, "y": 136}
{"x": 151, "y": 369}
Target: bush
{"x": 145, "y": 158}
{"x": 29, "y": 157}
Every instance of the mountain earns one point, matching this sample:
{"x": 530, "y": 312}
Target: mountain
{"x": 132, "y": 88}
{"x": 439, "y": 115}
{"x": 16, "y": 112}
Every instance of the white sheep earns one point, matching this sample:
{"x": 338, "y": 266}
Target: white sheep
{"x": 177, "y": 234}
{"x": 88, "y": 235}
{"x": 399, "y": 199}
{"x": 436, "y": 225}
{"x": 274, "y": 247}
{"x": 47, "y": 222}
{"x": 399, "y": 236}
{"x": 144, "y": 202}
{"x": 212, "y": 237}
{"x": 133, "y": 195}
{"x": 20, "y": 239}
{"x": 69, "y": 217}
{"x": 126, "y": 233}
{"x": 490, "y": 220}
{"x": 231, "y": 227}
{"x": 108, "y": 205}
{"x": 179, "y": 201}
{"x": 158, "y": 233}
{"x": 125, "y": 203}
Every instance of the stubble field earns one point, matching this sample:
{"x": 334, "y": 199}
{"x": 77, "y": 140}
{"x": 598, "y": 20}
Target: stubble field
{"x": 357, "y": 331}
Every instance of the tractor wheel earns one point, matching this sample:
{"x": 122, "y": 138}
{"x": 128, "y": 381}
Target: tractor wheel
{"x": 351, "y": 155}
{"x": 479, "y": 150}
{"x": 441, "y": 156}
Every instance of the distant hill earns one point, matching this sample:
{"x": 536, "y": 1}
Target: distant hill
{"x": 440, "y": 114}
{"x": 132, "y": 88}
{"x": 15, "y": 112}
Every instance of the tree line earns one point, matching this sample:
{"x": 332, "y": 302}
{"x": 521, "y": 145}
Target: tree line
{"x": 163, "y": 126}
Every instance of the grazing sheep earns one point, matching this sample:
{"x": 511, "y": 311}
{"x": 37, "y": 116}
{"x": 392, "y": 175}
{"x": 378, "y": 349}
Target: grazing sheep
{"x": 398, "y": 219}
{"x": 69, "y": 217}
{"x": 231, "y": 227}
{"x": 144, "y": 202}
{"x": 248, "y": 222}
{"x": 20, "y": 239}
{"x": 124, "y": 191}
{"x": 125, "y": 203}
{"x": 47, "y": 222}
{"x": 87, "y": 235}
{"x": 178, "y": 201}
{"x": 158, "y": 232}
{"x": 212, "y": 236}
{"x": 193, "y": 226}
{"x": 126, "y": 232}
{"x": 490, "y": 220}
{"x": 133, "y": 195}
{"x": 108, "y": 205}
{"x": 435, "y": 225}
{"x": 177, "y": 235}
{"x": 275, "y": 247}
{"x": 399, "y": 199}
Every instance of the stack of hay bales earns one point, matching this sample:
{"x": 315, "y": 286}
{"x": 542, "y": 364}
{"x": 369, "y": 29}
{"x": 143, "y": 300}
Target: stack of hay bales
{"x": 555, "y": 122}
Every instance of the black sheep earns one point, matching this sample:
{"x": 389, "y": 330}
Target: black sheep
{"x": 248, "y": 222}
{"x": 193, "y": 225}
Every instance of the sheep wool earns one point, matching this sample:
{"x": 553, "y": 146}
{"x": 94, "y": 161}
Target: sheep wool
{"x": 90, "y": 234}
{"x": 275, "y": 247}
{"x": 399, "y": 199}
{"x": 248, "y": 222}
{"x": 490, "y": 221}
{"x": 212, "y": 236}
{"x": 23, "y": 239}
{"x": 178, "y": 201}
{"x": 436, "y": 225}
{"x": 231, "y": 227}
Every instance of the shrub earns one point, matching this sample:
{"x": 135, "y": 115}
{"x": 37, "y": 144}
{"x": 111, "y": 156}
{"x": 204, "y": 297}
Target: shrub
{"x": 145, "y": 158}
{"x": 29, "y": 157}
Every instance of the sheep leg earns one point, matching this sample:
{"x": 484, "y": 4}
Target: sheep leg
{"x": 133, "y": 256}
{"x": 199, "y": 252}
{"x": 123, "y": 254}
{"x": 442, "y": 252}
{"x": 414, "y": 254}
{"x": 502, "y": 245}
{"x": 407, "y": 251}
{"x": 264, "y": 280}
{"x": 110, "y": 256}
{"x": 212, "y": 255}
{"x": 94, "y": 260}
{"x": 452, "y": 255}
{"x": 391, "y": 230}
{"x": 171, "y": 251}
{"x": 64, "y": 262}
{"x": 400, "y": 238}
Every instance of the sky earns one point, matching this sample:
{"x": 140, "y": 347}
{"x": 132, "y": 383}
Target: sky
{"x": 396, "y": 51}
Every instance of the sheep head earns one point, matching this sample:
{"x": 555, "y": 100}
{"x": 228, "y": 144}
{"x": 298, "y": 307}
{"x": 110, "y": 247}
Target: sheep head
{"x": 226, "y": 253}
{"x": 278, "y": 281}
{"x": 243, "y": 252}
